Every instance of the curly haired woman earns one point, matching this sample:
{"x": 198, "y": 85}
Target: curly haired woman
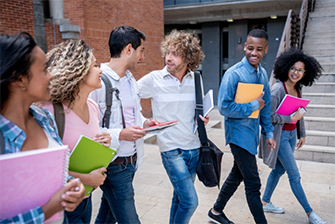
{"x": 292, "y": 69}
{"x": 75, "y": 75}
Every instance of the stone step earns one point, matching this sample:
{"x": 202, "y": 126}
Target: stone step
{"x": 328, "y": 67}
{"x": 326, "y": 77}
{"x": 324, "y": 34}
{"x": 308, "y": 47}
{"x": 325, "y": 59}
{"x": 320, "y": 110}
{"x": 322, "y": 13}
{"x": 317, "y": 40}
{"x": 319, "y": 52}
{"x": 324, "y": 4}
{"x": 320, "y": 87}
{"x": 319, "y": 123}
{"x": 316, "y": 153}
{"x": 322, "y": 138}
{"x": 322, "y": 98}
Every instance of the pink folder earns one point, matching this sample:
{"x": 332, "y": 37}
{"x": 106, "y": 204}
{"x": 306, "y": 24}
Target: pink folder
{"x": 290, "y": 104}
{"x": 28, "y": 179}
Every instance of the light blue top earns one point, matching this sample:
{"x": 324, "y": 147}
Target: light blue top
{"x": 239, "y": 129}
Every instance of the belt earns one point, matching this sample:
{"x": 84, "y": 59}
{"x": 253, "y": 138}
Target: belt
{"x": 124, "y": 160}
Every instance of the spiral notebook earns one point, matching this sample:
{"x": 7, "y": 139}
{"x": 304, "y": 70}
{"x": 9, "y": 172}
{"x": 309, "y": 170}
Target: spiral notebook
{"x": 89, "y": 155}
{"x": 28, "y": 179}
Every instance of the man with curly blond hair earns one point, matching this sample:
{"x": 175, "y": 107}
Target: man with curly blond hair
{"x": 172, "y": 94}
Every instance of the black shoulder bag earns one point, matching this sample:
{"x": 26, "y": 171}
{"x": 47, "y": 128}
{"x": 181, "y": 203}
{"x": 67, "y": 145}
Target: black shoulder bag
{"x": 209, "y": 165}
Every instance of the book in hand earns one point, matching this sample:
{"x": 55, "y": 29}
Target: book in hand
{"x": 208, "y": 102}
{"x": 89, "y": 155}
{"x": 291, "y": 104}
{"x": 247, "y": 92}
{"x": 161, "y": 126}
{"x": 30, "y": 178}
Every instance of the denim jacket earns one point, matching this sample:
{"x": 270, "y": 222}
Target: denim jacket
{"x": 116, "y": 124}
{"x": 239, "y": 129}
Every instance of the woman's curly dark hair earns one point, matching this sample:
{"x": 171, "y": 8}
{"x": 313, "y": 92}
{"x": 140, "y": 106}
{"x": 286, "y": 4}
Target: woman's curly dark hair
{"x": 287, "y": 59}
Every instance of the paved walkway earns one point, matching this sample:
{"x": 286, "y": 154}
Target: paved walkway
{"x": 153, "y": 191}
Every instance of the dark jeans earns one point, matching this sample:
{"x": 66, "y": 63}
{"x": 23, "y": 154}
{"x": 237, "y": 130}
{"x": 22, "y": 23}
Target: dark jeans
{"x": 82, "y": 214}
{"x": 117, "y": 202}
{"x": 244, "y": 169}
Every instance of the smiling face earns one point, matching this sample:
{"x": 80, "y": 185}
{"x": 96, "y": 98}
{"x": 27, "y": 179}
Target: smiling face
{"x": 255, "y": 48}
{"x": 136, "y": 57}
{"x": 93, "y": 78}
{"x": 296, "y": 72}
{"x": 37, "y": 82}
{"x": 174, "y": 62}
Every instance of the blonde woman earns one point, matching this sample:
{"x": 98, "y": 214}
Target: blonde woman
{"x": 75, "y": 74}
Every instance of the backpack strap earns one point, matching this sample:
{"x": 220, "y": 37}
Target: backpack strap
{"x": 59, "y": 118}
{"x": 109, "y": 100}
{"x": 2, "y": 144}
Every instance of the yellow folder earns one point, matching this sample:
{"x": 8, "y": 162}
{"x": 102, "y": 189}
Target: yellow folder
{"x": 247, "y": 92}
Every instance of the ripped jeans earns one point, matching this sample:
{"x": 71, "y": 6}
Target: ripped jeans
{"x": 180, "y": 166}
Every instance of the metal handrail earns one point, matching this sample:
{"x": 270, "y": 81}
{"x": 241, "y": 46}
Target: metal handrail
{"x": 294, "y": 30}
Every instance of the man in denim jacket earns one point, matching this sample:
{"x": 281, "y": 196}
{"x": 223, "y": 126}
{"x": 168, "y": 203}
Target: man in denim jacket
{"x": 125, "y": 125}
{"x": 242, "y": 133}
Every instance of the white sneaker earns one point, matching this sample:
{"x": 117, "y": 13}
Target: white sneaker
{"x": 315, "y": 219}
{"x": 269, "y": 207}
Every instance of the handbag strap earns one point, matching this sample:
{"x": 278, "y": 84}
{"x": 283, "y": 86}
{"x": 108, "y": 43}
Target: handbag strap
{"x": 199, "y": 110}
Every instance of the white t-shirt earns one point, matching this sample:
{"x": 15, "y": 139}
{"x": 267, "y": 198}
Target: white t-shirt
{"x": 129, "y": 114}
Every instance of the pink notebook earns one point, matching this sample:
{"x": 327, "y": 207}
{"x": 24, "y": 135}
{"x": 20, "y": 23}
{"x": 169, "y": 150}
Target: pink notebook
{"x": 29, "y": 179}
{"x": 290, "y": 104}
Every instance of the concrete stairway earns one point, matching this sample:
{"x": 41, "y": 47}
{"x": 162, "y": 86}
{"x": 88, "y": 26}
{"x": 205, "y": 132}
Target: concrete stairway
{"x": 320, "y": 118}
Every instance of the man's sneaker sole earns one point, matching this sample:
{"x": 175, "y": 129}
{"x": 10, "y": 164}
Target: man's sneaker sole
{"x": 271, "y": 211}
{"x": 213, "y": 220}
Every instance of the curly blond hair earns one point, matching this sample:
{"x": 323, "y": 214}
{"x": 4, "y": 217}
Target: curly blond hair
{"x": 186, "y": 45}
{"x": 69, "y": 62}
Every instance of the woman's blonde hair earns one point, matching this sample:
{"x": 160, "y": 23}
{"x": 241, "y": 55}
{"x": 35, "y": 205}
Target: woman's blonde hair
{"x": 69, "y": 62}
{"x": 186, "y": 45}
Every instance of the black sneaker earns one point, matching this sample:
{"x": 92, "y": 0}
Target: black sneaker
{"x": 219, "y": 219}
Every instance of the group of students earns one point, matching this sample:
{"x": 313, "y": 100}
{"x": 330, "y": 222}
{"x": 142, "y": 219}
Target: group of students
{"x": 69, "y": 75}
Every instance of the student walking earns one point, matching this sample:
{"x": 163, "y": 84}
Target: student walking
{"x": 292, "y": 69}
{"x": 242, "y": 133}
{"x": 24, "y": 79}
{"x": 76, "y": 74}
{"x": 172, "y": 94}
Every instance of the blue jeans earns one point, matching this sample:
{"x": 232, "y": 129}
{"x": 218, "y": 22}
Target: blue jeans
{"x": 180, "y": 166}
{"x": 244, "y": 169}
{"x": 82, "y": 214}
{"x": 286, "y": 162}
{"x": 117, "y": 202}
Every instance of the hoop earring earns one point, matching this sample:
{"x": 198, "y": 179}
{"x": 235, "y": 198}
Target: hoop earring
{"x": 23, "y": 88}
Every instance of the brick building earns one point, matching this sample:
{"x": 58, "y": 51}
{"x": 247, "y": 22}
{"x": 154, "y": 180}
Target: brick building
{"x": 52, "y": 21}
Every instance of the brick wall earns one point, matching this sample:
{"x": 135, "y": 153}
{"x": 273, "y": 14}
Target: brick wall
{"x": 98, "y": 18}
{"x": 16, "y": 16}
{"x": 49, "y": 33}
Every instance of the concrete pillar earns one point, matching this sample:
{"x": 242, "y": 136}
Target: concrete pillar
{"x": 56, "y": 10}
{"x": 39, "y": 27}
{"x": 211, "y": 66}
